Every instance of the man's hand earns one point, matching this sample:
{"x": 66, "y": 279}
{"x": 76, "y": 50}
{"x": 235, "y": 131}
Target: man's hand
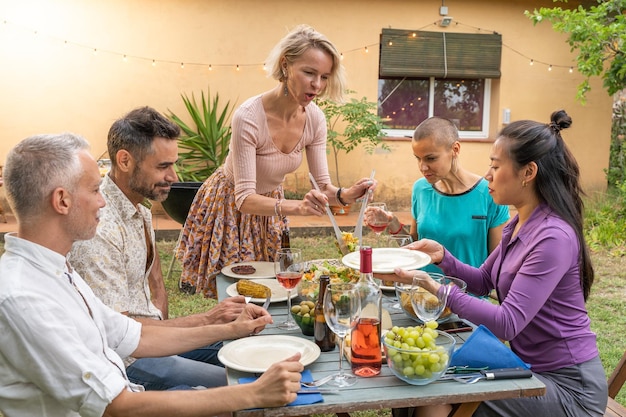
{"x": 279, "y": 385}
{"x": 252, "y": 320}
{"x": 226, "y": 311}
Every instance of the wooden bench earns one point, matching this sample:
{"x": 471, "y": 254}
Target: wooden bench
{"x": 616, "y": 380}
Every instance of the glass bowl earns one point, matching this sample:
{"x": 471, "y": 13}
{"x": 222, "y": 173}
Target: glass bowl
{"x": 419, "y": 366}
{"x": 404, "y": 297}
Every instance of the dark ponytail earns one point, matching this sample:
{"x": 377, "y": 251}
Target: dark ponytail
{"x": 558, "y": 175}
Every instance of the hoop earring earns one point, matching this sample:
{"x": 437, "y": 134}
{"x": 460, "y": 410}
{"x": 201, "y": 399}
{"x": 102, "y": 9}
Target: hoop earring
{"x": 524, "y": 183}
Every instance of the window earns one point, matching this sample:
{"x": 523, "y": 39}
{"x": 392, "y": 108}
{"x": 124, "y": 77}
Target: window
{"x": 404, "y": 103}
{"x": 424, "y": 74}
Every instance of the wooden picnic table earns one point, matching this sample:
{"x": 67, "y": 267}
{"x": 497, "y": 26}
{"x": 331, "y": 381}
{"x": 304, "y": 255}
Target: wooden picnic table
{"x": 384, "y": 390}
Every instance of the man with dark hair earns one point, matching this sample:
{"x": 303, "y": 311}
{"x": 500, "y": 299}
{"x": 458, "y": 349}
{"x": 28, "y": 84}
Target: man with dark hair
{"x": 121, "y": 263}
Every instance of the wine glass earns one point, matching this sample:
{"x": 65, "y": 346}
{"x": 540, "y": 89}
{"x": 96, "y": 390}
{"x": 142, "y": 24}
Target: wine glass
{"x": 376, "y": 218}
{"x": 428, "y": 306}
{"x": 395, "y": 241}
{"x": 398, "y": 241}
{"x": 342, "y": 308}
{"x": 289, "y": 267}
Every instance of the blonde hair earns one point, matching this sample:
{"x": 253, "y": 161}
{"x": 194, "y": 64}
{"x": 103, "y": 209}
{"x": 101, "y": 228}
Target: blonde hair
{"x": 296, "y": 43}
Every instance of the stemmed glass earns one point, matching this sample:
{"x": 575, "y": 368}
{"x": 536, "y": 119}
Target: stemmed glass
{"x": 376, "y": 220}
{"x": 342, "y": 308}
{"x": 396, "y": 241}
{"x": 427, "y": 306}
{"x": 289, "y": 267}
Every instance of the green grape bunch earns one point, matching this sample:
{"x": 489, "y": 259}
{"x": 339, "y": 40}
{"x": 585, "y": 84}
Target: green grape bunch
{"x": 416, "y": 354}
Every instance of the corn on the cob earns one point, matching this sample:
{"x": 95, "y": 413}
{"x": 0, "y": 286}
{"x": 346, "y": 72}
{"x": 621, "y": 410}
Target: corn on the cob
{"x": 253, "y": 289}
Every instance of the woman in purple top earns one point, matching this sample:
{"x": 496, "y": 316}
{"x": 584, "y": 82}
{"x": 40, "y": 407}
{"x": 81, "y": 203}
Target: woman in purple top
{"x": 541, "y": 271}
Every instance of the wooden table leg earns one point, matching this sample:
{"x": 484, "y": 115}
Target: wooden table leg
{"x": 464, "y": 410}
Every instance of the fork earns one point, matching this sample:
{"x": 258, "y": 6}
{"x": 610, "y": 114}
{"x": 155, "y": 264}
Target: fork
{"x": 317, "y": 382}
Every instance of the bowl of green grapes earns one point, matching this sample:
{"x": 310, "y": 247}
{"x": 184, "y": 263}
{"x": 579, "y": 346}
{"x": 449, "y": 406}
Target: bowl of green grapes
{"x": 418, "y": 355}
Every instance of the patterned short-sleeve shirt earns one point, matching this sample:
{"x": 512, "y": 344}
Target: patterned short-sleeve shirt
{"x": 115, "y": 262}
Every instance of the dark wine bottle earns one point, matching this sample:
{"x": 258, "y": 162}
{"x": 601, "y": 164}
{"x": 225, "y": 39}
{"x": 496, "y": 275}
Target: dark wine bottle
{"x": 284, "y": 238}
{"x": 324, "y": 337}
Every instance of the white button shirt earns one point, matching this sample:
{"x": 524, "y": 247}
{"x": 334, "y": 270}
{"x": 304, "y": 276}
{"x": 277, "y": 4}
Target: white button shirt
{"x": 60, "y": 347}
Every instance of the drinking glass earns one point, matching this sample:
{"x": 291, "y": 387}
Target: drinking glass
{"x": 342, "y": 308}
{"x": 427, "y": 306}
{"x": 398, "y": 241}
{"x": 391, "y": 302}
{"x": 376, "y": 220}
{"x": 289, "y": 267}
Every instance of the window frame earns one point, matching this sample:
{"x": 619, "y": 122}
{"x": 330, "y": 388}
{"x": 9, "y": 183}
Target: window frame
{"x": 478, "y": 135}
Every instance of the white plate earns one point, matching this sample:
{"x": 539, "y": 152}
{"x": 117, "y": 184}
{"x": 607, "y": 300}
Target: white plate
{"x": 385, "y": 260}
{"x": 263, "y": 270}
{"x": 257, "y": 353}
{"x": 278, "y": 292}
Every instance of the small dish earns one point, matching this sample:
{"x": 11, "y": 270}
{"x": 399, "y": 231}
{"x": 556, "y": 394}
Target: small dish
{"x": 263, "y": 270}
{"x": 385, "y": 260}
{"x": 278, "y": 292}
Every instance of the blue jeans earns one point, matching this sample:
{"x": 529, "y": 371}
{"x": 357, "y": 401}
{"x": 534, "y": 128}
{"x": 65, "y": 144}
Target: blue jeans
{"x": 159, "y": 374}
{"x": 207, "y": 354}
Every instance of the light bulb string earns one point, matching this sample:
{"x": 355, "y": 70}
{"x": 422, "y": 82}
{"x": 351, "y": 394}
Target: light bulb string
{"x": 182, "y": 63}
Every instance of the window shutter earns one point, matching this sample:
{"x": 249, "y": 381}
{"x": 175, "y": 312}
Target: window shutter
{"x": 419, "y": 54}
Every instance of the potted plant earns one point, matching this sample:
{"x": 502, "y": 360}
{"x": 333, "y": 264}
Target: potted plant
{"x": 349, "y": 125}
{"x": 204, "y": 146}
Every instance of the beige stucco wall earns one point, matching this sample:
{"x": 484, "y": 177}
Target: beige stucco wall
{"x": 49, "y": 85}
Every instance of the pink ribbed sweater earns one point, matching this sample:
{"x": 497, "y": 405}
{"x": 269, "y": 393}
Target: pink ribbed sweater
{"x": 256, "y": 165}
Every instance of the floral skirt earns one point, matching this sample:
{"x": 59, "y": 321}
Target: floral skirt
{"x": 217, "y": 234}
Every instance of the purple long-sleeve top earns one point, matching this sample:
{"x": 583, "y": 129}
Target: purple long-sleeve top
{"x": 542, "y": 310}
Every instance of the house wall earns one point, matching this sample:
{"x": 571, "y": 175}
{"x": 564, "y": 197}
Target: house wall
{"x": 54, "y": 81}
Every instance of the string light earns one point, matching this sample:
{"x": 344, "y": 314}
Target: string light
{"x": 153, "y": 61}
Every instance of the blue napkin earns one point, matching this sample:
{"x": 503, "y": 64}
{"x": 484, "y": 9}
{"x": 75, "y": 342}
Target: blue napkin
{"x": 302, "y": 399}
{"x": 482, "y": 349}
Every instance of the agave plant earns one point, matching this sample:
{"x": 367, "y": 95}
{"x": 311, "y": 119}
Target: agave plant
{"x": 204, "y": 143}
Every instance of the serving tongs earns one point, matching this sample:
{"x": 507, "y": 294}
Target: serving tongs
{"x": 358, "y": 229}
{"x": 342, "y": 245}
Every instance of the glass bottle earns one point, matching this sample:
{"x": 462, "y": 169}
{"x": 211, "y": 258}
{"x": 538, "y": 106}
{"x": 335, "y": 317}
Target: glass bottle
{"x": 365, "y": 339}
{"x": 284, "y": 237}
{"x": 324, "y": 337}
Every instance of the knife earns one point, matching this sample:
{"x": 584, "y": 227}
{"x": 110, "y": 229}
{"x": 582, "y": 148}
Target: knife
{"x": 490, "y": 374}
{"x": 338, "y": 234}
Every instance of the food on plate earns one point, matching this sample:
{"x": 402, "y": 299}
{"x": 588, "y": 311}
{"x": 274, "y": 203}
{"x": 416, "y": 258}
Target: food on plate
{"x": 243, "y": 269}
{"x": 253, "y": 289}
{"x": 308, "y": 287}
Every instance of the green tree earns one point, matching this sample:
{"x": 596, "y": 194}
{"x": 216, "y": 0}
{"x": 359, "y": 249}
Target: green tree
{"x": 598, "y": 33}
